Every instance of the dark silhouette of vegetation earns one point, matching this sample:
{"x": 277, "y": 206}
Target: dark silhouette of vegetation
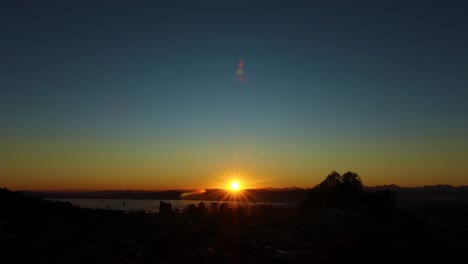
{"x": 339, "y": 221}
{"x": 346, "y": 192}
{"x": 345, "y": 216}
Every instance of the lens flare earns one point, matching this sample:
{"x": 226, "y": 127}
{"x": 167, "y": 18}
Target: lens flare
{"x": 240, "y": 71}
{"x": 185, "y": 194}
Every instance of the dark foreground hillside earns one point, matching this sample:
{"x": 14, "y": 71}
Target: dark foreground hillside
{"x": 333, "y": 225}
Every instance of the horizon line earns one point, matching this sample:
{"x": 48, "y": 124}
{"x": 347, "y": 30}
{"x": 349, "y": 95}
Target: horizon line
{"x": 195, "y": 189}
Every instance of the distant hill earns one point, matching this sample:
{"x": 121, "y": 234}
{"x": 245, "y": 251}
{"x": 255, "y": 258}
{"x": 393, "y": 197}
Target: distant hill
{"x": 292, "y": 194}
{"x": 432, "y": 192}
{"x": 117, "y": 194}
{"x": 253, "y": 195}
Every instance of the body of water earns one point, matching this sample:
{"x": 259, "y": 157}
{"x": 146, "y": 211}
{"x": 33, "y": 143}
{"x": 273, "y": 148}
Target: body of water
{"x": 146, "y": 205}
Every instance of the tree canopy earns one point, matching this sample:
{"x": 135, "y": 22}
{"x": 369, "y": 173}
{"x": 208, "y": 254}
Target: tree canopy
{"x": 346, "y": 192}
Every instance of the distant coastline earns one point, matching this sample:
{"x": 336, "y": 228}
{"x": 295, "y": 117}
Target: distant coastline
{"x": 435, "y": 192}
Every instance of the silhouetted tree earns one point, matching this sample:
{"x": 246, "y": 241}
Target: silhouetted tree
{"x": 337, "y": 191}
{"x": 331, "y": 182}
{"x": 351, "y": 181}
{"x": 345, "y": 192}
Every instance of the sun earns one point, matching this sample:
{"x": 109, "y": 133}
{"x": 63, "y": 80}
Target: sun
{"x": 235, "y": 186}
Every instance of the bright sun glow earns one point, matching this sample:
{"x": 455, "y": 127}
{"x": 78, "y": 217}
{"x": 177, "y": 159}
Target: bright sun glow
{"x": 235, "y": 186}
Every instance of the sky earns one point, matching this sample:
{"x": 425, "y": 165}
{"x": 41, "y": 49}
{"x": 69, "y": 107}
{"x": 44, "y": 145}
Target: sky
{"x": 144, "y": 94}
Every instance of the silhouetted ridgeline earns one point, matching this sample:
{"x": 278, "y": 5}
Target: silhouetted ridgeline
{"x": 433, "y": 192}
{"x": 118, "y": 194}
{"x": 436, "y": 192}
{"x": 337, "y": 221}
{"x": 253, "y": 195}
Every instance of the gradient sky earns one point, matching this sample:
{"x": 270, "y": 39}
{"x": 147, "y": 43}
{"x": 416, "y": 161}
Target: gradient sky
{"x": 144, "y": 94}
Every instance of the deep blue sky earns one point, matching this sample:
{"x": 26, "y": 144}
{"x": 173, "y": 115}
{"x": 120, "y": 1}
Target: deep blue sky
{"x": 326, "y": 80}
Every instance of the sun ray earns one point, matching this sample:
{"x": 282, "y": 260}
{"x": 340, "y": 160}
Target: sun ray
{"x": 234, "y": 178}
